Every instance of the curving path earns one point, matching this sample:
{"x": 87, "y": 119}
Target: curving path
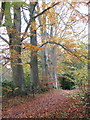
{"x": 57, "y": 103}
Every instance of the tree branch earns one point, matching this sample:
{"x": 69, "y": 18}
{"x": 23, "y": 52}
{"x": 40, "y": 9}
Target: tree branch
{"x": 6, "y": 63}
{"x": 69, "y": 51}
{"x": 76, "y": 9}
{"x": 39, "y": 15}
{"x": 46, "y": 9}
{"x": 4, "y": 39}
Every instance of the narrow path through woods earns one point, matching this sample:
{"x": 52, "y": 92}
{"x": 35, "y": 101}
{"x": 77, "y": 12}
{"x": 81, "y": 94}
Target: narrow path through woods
{"x": 55, "y": 103}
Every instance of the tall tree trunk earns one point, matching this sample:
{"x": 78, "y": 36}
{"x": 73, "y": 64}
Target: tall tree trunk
{"x": 53, "y": 61}
{"x": 44, "y": 65}
{"x": 44, "y": 53}
{"x": 14, "y": 31}
{"x": 54, "y": 74}
{"x": 33, "y": 40}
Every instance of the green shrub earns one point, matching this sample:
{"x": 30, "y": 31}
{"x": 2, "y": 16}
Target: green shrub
{"x": 8, "y": 88}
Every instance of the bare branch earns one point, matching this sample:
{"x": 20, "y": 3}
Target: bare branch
{"x": 76, "y": 9}
{"x": 4, "y": 39}
{"x": 39, "y": 15}
{"x": 6, "y": 62}
{"x": 46, "y": 9}
{"x": 68, "y": 50}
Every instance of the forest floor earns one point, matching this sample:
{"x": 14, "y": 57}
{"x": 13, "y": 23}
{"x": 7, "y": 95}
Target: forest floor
{"x": 53, "y": 104}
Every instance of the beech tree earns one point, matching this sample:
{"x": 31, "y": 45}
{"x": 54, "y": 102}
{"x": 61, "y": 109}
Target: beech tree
{"x": 58, "y": 23}
{"x": 57, "y": 29}
{"x": 48, "y": 75}
{"x": 33, "y": 40}
{"x": 13, "y": 27}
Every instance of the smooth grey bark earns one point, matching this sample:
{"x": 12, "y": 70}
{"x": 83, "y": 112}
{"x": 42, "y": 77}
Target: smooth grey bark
{"x": 15, "y": 44}
{"x": 45, "y": 65}
{"x": 34, "y": 60}
{"x": 53, "y": 61}
{"x": 44, "y": 53}
{"x": 47, "y": 62}
{"x": 54, "y": 74}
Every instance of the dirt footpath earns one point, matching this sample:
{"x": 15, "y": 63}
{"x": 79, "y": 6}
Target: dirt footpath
{"x": 54, "y": 104}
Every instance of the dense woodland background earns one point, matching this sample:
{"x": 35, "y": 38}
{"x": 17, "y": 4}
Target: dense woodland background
{"x": 44, "y": 46}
